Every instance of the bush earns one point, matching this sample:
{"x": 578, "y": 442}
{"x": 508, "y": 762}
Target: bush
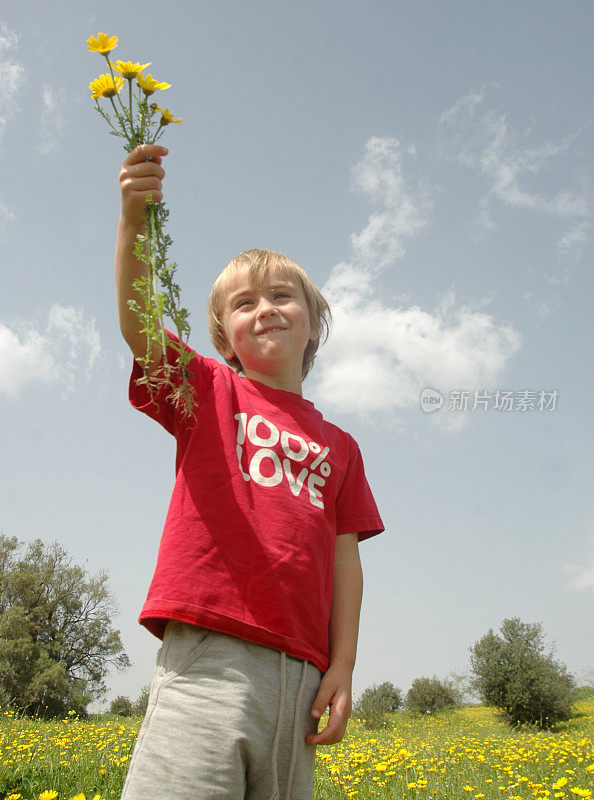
{"x": 429, "y": 695}
{"x": 514, "y": 673}
{"x": 122, "y": 706}
{"x": 141, "y": 702}
{"x": 581, "y": 693}
{"x": 376, "y": 702}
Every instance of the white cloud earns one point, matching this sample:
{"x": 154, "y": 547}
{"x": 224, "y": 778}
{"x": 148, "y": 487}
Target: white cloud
{"x": 574, "y": 240}
{"x": 404, "y": 209}
{"x": 388, "y": 353}
{"x": 69, "y": 346}
{"x": 6, "y": 214}
{"x": 581, "y": 577}
{"x": 52, "y": 120}
{"x": 12, "y": 76}
{"x": 484, "y": 221}
{"x": 543, "y": 308}
{"x": 486, "y": 143}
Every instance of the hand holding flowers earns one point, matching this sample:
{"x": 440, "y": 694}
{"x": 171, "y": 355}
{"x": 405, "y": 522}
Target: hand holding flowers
{"x": 140, "y": 123}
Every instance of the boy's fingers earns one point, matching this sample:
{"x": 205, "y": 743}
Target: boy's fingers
{"x": 145, "y": 185}
{"x": 331, "y": 734}
{"x": 146, "y": 168}
{"x": 144, "y": 152}
{"x": 320, "y": 704}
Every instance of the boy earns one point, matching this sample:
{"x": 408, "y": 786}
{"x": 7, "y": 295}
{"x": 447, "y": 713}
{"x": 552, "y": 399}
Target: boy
{"x": 257, "y": 588}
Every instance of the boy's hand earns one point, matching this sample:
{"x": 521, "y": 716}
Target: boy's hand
{"x": 334, "y": 691}
{"x": 141, "y": 175}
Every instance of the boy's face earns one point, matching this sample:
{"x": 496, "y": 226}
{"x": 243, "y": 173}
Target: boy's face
{"x": 267, "y": 327}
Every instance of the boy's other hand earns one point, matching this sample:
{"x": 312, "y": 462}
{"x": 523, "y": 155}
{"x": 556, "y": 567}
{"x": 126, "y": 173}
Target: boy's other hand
{"x": 140, "y": 176}
{"x": 334, "y": 691}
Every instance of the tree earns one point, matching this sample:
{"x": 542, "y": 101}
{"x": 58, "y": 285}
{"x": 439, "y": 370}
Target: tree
{"x": 377, "y": 701}
{"x": 56, "y": 636}
{"x": 429, "y": 695}
{"x": 122, "y": 706}
{"x": 514, "y": 673}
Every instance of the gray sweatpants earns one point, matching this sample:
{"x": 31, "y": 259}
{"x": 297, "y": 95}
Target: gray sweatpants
{"x": 226, "y": 720}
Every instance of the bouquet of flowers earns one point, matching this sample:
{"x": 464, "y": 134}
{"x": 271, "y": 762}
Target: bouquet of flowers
{"x": 138, "y": 121}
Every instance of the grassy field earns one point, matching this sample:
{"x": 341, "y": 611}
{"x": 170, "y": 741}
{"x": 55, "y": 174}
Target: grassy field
{"x": 466, "y": 754}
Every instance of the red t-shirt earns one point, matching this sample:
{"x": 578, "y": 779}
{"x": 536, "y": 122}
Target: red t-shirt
{"x": 263, "y": 486}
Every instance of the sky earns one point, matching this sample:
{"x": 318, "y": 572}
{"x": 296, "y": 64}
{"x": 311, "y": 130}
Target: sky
{"x": 430, "y": 166}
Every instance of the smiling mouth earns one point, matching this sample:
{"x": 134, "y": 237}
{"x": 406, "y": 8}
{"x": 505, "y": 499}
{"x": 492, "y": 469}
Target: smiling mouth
{"x": 269, "y": 330}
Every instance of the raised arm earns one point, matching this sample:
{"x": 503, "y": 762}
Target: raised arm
{"x": 139, "y": 177}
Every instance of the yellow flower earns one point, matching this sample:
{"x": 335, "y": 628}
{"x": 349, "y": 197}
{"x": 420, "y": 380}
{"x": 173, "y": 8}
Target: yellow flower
{"x": 102, "y": 44}
{"x": 560, "y": 783}
{"x": 104, "y": 86}
{"x": 149, "y": 84}
{"x": 127, "y": 69}
{"x": 166, "y": 116}
{"x": 47, "y": 795}
{"x": 78, "y": 797}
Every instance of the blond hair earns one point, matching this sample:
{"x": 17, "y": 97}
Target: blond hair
{"x": 259, "y": 263}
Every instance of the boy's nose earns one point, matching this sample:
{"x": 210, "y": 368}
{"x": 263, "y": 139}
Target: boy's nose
{"x": 265, "y": 307}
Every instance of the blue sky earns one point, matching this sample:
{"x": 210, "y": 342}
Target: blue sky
{"x": 430, "y": 166}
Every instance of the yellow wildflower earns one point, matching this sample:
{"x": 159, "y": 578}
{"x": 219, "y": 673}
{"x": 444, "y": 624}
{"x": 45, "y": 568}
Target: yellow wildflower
{"x": 149, "y": 84}
{"x": 104, "y": 86}
{"x": 78, "y": 797}
{"x": 129, "y": 70}
{"x": 560, "y": 783}
{"x": 166, "y": 116}
{"x": 103, "y": 43}
{"x": 48, "y": 795}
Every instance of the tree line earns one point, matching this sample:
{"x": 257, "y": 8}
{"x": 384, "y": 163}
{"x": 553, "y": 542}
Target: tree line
{"x": 512, "y": 670}
{"x": 57, "y": 643}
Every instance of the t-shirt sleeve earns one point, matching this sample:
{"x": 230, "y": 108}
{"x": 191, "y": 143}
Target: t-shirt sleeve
{"x": 158, "y": 407}
{"x": 356, "y": 510}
